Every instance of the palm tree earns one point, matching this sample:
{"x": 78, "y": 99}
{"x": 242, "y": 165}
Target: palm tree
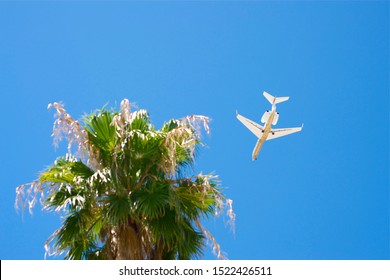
{"x": 126, "y": 188}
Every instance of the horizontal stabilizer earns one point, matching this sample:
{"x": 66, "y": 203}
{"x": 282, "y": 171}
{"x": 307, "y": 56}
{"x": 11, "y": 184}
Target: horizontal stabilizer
{"x": 274, "y": 100}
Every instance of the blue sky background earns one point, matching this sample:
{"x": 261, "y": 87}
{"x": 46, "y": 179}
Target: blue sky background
{"x": 322, "y": 193}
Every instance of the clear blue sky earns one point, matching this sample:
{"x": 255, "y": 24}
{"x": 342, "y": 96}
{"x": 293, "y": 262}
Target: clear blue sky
{"x": 322, "y": 193}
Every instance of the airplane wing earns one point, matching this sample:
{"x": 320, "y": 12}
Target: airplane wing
{"x": 251, "y": 125}
{"x": 279, "y": 132}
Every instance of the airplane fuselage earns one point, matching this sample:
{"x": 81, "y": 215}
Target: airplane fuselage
{"x": 266, "y": 131}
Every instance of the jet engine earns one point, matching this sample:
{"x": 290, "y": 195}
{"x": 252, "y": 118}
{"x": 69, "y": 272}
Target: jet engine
{"x": 267, "y": 115}
{"x": 276, "y": 118}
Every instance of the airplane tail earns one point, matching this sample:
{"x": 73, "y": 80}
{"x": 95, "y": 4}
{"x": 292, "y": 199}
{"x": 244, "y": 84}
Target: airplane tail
{"x": 274, "y": 100}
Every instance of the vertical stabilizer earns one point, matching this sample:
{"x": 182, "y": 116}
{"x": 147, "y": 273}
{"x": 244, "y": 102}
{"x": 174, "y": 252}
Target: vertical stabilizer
{"x": 274, "y": 100}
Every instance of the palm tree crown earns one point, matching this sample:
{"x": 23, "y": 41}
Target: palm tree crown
{"x": 126, "y": 188}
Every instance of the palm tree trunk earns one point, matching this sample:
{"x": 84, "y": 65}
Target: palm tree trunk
{"x": 125, "y": 243}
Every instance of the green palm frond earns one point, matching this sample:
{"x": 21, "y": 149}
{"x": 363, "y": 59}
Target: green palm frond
{"x": 116, "y": 209}
{"x": 65, "y": 170}
{"x": 72, "y": 229}
{"x": 66, "y": 198}
{"x": 59, "y": 172}
{"x": 167, "y": 228}
{"x": 101, "y": 134}
{"x": 193, "y": 243}
{"x": 150, "y": 201}
{"x": 194, "y": 204}
{"x": 141, "y": 121}
{"x": 65, "y": 191}
{"x": 182, "y": 238}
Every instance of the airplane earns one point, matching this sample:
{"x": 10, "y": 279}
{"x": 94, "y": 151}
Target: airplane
{"x": 269, "y": 118}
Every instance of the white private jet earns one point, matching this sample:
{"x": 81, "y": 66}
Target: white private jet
{"x": 269, "y": 118}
